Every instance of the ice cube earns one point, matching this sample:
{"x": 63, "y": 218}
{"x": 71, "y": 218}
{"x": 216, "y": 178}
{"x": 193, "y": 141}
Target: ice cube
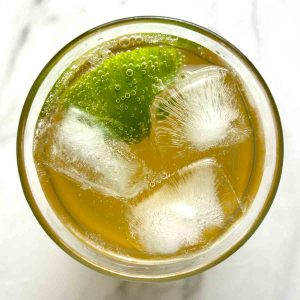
{"x": 196, "y": 198}
{"x": 202, "y": 110}
{"x": 81, "y": 149}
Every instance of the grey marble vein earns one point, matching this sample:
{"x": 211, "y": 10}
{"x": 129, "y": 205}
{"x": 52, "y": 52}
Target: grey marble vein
{"x": 10, "y": 67}
{"x": 255, "y": 22}
{"x": 290, "y": 260}
{"x": 191, "y": 287}
{"x": 38, "y": 2}
{"x": 7, "y": 137}
{"x": 133, "y": 290}
{"x": 212, "y": 12}
{"x": 20, "y": 41}
{"x": 179, "y": 290}
{"x": 123, "y": 2}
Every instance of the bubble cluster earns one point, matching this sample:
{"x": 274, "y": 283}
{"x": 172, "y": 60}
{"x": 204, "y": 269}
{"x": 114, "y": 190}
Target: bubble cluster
{"x": 128, "y": 79}
{"x": 129, "y": 72}
{"x": 124, "y": 42}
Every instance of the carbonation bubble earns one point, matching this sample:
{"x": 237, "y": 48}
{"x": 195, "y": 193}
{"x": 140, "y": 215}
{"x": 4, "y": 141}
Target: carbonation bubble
{"x": 129, "y": 72}
{"x": 138, "y": 39}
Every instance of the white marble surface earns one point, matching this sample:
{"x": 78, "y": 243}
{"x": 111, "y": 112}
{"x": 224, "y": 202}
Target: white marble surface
{"x": 33, "y": 267}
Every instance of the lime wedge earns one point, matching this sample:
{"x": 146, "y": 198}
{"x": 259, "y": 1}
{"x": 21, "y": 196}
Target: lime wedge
{"x": 118, "y": 93}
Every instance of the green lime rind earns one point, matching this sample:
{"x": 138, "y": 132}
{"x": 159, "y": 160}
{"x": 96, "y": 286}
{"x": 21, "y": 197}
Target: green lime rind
{"x": 119, "y": 92}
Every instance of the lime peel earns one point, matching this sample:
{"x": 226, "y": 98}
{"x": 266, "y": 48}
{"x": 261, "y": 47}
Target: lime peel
{"x": 119, "y": 92}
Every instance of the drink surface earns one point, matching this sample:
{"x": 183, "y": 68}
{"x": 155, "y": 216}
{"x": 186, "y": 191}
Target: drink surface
{"x": 144, "y": 147}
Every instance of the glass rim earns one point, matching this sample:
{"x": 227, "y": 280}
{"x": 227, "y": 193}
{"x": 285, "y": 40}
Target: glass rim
{"x": 23, "y": 121}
